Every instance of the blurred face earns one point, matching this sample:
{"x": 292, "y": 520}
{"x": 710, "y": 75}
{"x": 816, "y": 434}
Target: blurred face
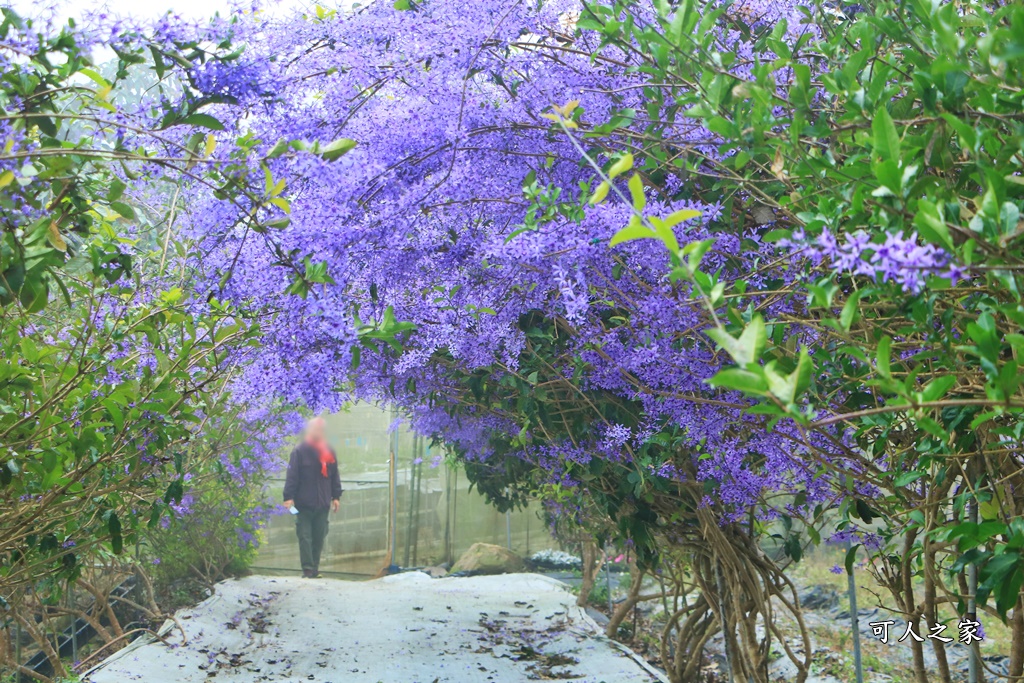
{"x": 315, "y": 430}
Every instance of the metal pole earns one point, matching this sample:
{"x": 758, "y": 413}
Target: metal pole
{"x": 455, "y": 517}
{"x": 973, "y": 663}
{"x": 527, "y": 535}
{"x": 393, "y": 493}
{"x": 851, "y": 589}
{"x": 508, "y": 529}
{"x": 412, "y": 502}
{"x": 74, "y": 622}
{"x": 447, "y": 513}
{"x": 417, "y": 496}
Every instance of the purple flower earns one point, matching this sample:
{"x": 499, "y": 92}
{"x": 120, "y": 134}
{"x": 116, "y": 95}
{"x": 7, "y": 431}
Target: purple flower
{"x": 897, "y": 259}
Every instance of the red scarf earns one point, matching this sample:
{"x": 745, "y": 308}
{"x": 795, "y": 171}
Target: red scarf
{"x": 326, "y": 457}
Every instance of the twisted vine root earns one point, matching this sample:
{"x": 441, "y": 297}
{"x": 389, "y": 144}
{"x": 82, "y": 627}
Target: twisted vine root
{"x": 743, "y": 590}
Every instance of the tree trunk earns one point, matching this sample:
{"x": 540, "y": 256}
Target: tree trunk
{"x": 626, "y": 606}
{"x": 591, "y": 566}
{"x": 1017, "y": 641}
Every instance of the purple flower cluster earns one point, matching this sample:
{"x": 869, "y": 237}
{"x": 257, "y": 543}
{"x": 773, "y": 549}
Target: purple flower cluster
{"x": 240, "y": 81}
{"x": 868, "y": 539}
{"x": 897, "y": 259}
{"x": 444, "y": 104}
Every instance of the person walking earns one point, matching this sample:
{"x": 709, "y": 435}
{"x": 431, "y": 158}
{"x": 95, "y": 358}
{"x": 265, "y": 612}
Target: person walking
{"x": 312, "y": 487}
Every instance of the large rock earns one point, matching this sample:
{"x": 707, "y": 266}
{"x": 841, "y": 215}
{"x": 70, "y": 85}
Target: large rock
{"x": 819, "y": 596}
{"x": 484, "y": 558}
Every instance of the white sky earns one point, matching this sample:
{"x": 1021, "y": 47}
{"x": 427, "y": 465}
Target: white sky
{"x": 149, "y": 9}
{"x": 144, "y": 9}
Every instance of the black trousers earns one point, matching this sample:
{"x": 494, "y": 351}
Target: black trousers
{"x": 311, "y": 528}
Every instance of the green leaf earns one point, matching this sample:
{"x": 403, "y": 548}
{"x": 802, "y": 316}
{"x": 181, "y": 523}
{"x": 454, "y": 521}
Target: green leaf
{"x": 967, "y": 133}
{"x": 778, "y": 384}
{"x": 1009, "y": 589}
{"x": 851, "y": 557}
{"x": 600, "y": 193}
{"x": 937, "y": 388}
{"x": 203, "y": 120}
{"x": 907, "y": 478}
{"x": 931, "y": 225}
{"x": 984, "y": 417}
{"x": 117, "y": 188}
{"x": 34, "y": 295}
{"x": 973, "y": 556}
{"x": 748, "y": 347}
{"x": 932, "y": 427}
{"x": 849, "y": 312}
{"x": 736, "y": 379}
{"x": 278, "y": 149}
{"x": 175, "y": 490}
{"x": 694, "y": 251}
{"x": 155, "y": 514}
{"x": 677, "y": 217}
{"x": 665, "y": 234}
{"x": 114, "y": 528}
{"x": 337, "y": 149}
{"x": 802, "y": 374}
{"x": 793, "y": 548}
{"x": 116, "y": 415}
{"x": 636, "y": 191}
{"x": 625, "y": 163}
{"x": 787, "y": 388}
{"x": 864, "y": 511}
{"x": 882, "y": 357}
{"x": 633, "y": 231}
{"x": 158, "y": 63}
{"x": 123, "y": 209}
{"x": 886, "y": 139}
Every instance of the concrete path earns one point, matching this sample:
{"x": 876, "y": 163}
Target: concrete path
{"x": 406, "y": 628}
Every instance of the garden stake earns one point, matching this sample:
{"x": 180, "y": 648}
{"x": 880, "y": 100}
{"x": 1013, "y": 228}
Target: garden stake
{"x": 851, "y": 588}
{"x": 608, "y": 579}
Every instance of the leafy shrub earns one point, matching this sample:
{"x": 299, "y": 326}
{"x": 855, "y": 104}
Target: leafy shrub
{"x": 214, "y": 531}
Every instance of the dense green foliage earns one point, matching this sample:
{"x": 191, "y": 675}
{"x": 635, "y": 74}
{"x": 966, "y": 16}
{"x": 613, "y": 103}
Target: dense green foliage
{"x": 111, "y": 364}
{"x": 904, "y": 123}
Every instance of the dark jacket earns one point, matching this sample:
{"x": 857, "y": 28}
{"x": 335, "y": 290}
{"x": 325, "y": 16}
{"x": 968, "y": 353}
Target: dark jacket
{"x": 305, "y": 482}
